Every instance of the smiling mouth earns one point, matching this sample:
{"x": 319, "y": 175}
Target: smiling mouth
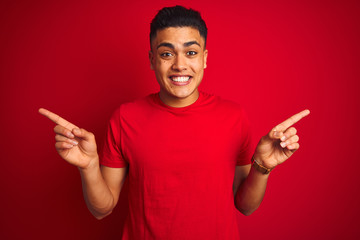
{"x": 180, "y": 79}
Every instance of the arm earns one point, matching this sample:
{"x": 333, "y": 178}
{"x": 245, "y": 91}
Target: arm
{"x": 250, "y": 190}
{"x": 101, "y": 187}
{"x": 273, "y": 149}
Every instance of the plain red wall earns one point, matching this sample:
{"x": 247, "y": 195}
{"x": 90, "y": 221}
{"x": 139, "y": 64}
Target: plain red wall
{"x": 82, "y": 59}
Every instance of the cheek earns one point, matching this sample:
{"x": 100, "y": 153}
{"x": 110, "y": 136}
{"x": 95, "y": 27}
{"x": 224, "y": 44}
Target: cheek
{"x": 197, "y": 66}
{"x": 163, "y": 65}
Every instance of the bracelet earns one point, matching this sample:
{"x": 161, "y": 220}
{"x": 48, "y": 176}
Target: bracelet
{"x": 259, "y": 167}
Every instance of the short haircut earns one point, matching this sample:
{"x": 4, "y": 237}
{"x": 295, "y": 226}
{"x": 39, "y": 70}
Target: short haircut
{"x": 177, "y": 16}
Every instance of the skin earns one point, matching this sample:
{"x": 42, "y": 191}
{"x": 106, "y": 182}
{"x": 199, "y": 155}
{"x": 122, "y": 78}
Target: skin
{"x": 101, "y": 186}
{"x": 273, "y": 149}
{"x": 175, "y": 52}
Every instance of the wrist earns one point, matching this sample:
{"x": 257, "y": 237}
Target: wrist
{"x": 93, "y": 165}
{"x": 259, "y": 166}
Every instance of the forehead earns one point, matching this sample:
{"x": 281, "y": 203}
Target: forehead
{"x": 177, "y": 35}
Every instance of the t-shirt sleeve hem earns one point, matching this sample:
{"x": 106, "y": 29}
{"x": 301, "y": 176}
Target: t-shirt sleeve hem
{"x": 244, "y": 162}
{"x": 113, "y": 164}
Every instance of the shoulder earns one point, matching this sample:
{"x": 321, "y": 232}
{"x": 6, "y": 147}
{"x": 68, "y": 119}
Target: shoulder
{"x": 134, "y": 107}
{"x": 222, "y": 104}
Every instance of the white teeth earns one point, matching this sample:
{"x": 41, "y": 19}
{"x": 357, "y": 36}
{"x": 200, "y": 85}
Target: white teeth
{"x": 180, "y": 79}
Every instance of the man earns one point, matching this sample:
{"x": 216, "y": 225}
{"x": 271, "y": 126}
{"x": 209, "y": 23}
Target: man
{"x": 187, "y": 154}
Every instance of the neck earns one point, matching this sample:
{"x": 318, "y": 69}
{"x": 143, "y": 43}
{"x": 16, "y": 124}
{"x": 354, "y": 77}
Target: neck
{"x": 178, "y": 102}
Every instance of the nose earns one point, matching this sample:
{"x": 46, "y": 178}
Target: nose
{"x": 179, "y": 63}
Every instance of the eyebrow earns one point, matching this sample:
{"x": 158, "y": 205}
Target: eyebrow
{"x": 169, "y": 45}
{"x": 165, "y": 44}
{"x": 188, "y": 44}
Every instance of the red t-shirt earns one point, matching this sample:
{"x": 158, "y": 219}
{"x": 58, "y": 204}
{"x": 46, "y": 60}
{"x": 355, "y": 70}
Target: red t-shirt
{"x": 181, "y": 166}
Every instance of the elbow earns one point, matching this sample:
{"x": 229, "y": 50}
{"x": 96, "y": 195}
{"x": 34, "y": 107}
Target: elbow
{"x": 247, "y": 207}
{"x": 247, "y": 212}
{"x": 100, "y": 216}
{"x": 100, "y": 212}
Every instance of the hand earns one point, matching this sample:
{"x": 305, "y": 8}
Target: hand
{"x": 280, "y": 143}
{"x": 76, "y": 146}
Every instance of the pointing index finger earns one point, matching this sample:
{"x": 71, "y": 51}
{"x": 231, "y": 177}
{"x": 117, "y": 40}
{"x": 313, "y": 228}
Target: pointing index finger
{"x": 292, "y": 120}
{"x": 57, "y": 119}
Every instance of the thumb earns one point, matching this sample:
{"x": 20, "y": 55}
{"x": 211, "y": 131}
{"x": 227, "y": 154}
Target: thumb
{"x": 82, "y": 133}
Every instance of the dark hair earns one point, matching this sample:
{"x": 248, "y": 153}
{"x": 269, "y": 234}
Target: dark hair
{"x": 177, "y": 16}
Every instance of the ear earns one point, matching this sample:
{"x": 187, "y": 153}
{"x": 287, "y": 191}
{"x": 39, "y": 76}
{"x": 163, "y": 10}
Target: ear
{"x": 151, "y": 58}
{"x": 205, "y": 58}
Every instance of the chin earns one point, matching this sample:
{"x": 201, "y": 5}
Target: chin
{"x": 183, "y": 93}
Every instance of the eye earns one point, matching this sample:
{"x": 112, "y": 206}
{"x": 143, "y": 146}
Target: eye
{"x": 166, "y": 54}
{"x": 191, "y": 53}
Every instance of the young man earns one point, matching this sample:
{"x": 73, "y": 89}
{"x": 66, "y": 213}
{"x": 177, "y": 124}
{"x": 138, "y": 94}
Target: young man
{"x": 187, "y": 154}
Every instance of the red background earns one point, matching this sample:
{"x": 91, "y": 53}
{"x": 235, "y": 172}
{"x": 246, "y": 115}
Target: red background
{"x": 82, "y": 59}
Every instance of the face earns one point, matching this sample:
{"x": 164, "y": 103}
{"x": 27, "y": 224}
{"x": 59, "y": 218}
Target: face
{"x": 178, "y": 57}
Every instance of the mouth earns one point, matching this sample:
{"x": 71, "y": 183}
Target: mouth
{"x": 180, "y": 80}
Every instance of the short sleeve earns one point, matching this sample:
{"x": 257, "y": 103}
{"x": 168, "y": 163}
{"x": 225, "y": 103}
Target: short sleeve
{"x": 246, "y": 141}
{"x": 111, "y": 155}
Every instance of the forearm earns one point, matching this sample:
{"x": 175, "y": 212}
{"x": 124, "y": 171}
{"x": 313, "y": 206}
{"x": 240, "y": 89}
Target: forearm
{"x": 98, "y": 197}
{"x": 251, "y": 192}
